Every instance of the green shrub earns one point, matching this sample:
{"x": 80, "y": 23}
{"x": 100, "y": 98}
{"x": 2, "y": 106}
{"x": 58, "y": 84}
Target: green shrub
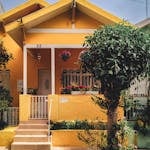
{"x": 78, "y": 124}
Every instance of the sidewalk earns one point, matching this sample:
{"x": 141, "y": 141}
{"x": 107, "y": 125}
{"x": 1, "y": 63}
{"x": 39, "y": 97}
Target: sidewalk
{"x": 3, "y": 148}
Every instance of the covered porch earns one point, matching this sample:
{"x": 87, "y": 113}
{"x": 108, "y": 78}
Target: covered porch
{"x": 45, "y": 57}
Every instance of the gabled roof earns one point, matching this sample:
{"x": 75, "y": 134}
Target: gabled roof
{"x": 51, "y": 11}
{"x": 22, "y": 10}
{"x": 143, "y": 23}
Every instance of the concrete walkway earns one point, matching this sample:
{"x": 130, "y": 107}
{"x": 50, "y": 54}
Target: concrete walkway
{"x": 3, "y": 148}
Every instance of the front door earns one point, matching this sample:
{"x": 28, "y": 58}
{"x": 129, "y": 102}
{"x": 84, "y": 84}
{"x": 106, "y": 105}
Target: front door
{"x": 44, "y": 84}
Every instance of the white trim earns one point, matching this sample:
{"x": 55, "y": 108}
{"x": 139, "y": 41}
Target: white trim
{"x": 47, "y": 30}
{"x": 53, "y": 46}
{"x": 24, "y": 70}
{"x": 52, "y": 71}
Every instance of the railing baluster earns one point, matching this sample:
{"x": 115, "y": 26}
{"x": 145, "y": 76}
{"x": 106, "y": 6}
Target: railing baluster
{"x": 77, "y": 77}
{"x": 39, "y": 107}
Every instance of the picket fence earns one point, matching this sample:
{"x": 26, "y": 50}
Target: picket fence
{"x": 10, "y": 116}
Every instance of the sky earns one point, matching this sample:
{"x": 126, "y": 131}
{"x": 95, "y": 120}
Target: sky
{"x": 133, "y": 11}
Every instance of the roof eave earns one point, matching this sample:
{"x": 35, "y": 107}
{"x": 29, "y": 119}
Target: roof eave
{"x": 97, "y": 13}
{"x": 23, "y": 6}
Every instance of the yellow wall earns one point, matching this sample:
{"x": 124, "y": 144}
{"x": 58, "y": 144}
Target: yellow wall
{"x": 6, "y": 136}
{"x": 15, "y": 66}
{"x": 70, "y": 137}
{"x": 51, "y": 38}
{"x": 67, "y": 107}
{"x": 77, "y": 107}
{"x": 34, "y": 65}
{"x": 61, "y": 65}
{"x": 24, "y": 107}
{"x": 64, "y": 21}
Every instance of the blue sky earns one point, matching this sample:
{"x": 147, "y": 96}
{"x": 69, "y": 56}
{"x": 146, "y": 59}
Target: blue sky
{"x": 130, "y": 10}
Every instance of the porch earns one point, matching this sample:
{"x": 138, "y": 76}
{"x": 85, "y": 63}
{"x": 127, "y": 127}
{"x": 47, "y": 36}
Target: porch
{"x": 35, "y": 112}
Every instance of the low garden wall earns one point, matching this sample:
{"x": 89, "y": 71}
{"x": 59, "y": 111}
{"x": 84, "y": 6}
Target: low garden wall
{"x": 70, "y": 138}
{"x": 6, "y": 136}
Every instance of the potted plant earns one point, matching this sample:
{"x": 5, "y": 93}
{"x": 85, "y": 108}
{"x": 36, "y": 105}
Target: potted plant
{"x": 79, "y": 89}
{"x": 65, "y": 55}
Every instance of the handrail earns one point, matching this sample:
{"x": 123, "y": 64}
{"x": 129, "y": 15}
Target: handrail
{"x": 49, "y": 120}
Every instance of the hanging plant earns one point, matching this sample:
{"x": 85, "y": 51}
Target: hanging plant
{"x": 65, "y": 55}
{"x": 4, "y": 56}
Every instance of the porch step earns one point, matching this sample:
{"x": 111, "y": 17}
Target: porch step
{"x": 31, "y": 131}
{"x": 31, "y": 138}
{"x": 30, "y": 146}
{"x": 32, "y": 126}
{"x": 34, "y": 121}
{"x": 69, "y": 148}
{"x": 32, "y": 135}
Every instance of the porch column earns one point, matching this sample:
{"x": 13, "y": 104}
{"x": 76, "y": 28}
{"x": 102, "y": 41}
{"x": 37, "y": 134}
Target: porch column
{"x": 52, "y": 70}
{"x": 24, "y": 70}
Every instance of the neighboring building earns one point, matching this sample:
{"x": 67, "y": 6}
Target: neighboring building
{"x": 141, "y": 88}
{"x": 143, "y": 23}
{"x": 1, "y": 8}
{"x": 37, "y": 33}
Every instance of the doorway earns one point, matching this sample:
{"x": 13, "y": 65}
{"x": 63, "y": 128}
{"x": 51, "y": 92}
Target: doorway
{"x": 44, "y": 82}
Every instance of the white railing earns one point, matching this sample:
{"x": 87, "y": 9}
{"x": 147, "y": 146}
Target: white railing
{"x": 78, "y": 77}
{"x": 39, "y": 107}
{"x": 10, "y": 116}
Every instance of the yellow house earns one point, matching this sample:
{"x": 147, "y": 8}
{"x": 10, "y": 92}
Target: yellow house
{"x": 36, "y": 33}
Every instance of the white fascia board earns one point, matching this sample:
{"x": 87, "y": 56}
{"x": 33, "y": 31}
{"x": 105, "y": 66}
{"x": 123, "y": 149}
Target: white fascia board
{"x": 70, "y": 31}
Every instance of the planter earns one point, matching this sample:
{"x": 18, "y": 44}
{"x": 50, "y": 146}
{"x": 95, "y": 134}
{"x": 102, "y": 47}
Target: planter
{"x": 78, "y": 92}
{"x": 84, "y": 92}
{"x": 92, "y": 92}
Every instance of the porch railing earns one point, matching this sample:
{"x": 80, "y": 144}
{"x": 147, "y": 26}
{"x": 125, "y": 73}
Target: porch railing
{"x": 39, "y": 107}
{"x": 10, "y": 116}
{"x": 78, "y": 77}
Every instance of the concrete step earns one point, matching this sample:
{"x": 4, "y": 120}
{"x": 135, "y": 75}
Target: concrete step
{"x": 69, "y": 148}
{"x": 32, "y": 135}
{"x": 33, "y": 126}
{"x": 31, "y": 131}
{"x": 31, "y": 138}
{"x": 30, "y": 146}
{"x": 33, "y": 121}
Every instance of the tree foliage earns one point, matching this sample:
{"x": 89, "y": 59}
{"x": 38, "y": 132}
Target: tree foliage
{"x": 4, "y": 56}
{"x": 116, "y": 55}
{"x": 5, "y": 98}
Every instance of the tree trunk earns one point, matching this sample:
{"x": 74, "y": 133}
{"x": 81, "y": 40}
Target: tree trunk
{"x": 112, "y": 139}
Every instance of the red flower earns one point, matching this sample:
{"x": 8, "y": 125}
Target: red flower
{"x": 65, "y": 55}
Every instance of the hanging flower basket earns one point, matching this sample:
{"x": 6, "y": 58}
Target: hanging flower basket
{"x": 65, "y": 55}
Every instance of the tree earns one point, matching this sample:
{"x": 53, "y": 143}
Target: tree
{"x": 116, "y": 54}
{"x": 5, "y": 98}
{"x": 4, "y": 56}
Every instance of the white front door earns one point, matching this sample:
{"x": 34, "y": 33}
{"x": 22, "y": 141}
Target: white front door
{"x": 44, "y": 83}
